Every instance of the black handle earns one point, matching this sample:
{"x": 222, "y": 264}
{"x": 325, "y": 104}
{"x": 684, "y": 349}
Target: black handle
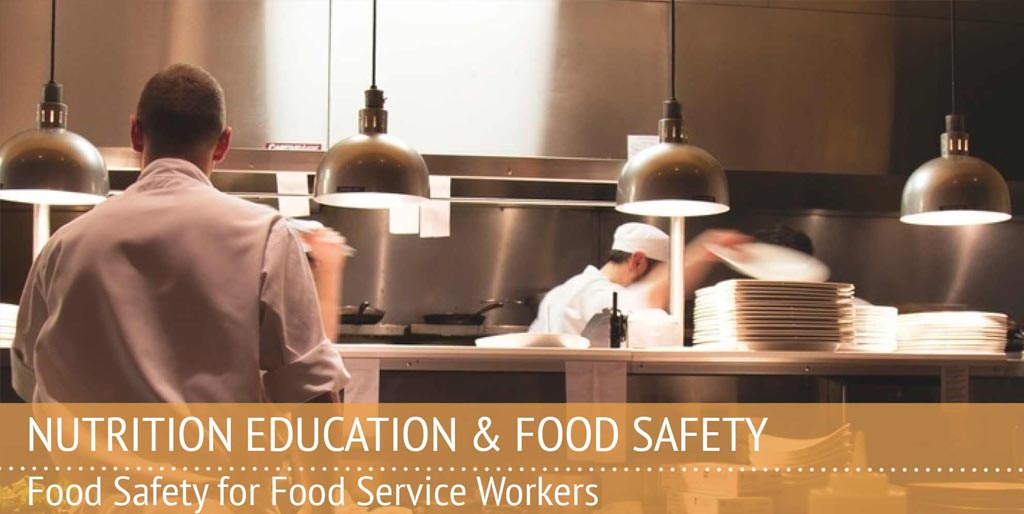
{"x": 618, "y": 324}
{"x": 491, "y": 305}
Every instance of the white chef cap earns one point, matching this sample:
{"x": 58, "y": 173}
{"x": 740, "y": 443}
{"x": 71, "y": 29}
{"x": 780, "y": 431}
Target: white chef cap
{"x": 641, "y": 237}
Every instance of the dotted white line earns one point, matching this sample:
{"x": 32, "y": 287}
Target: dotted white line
{"x": 556, "y": 469}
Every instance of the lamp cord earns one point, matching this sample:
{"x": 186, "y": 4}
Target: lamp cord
{"x": 53, "y": 37}
{"x": 952, "y": 54}
{"x": 373, "y": 65}
{"x": 672, "y": 51}
{"x": 330, "y": 40}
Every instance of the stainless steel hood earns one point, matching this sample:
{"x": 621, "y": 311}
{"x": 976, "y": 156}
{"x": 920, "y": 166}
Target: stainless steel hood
{"x": 564, "y": 182}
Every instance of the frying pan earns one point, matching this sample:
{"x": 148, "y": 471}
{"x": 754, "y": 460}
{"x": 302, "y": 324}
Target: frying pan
{"x": 455, "y": 318}
{"x": 362, "y": 314}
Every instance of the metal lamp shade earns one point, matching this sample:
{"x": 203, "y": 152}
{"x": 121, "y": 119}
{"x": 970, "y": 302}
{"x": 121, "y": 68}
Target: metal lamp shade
{"x": 372, "y": 171}
{"x": 955, "y": 190}
{"x": 673, "y": 179}
{"x": 52, "y": 166}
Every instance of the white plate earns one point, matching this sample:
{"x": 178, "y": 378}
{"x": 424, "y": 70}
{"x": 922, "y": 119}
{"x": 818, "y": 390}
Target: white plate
{"x": 785, "y": 315}
{"x": 790, "y": 306}
{"x": 528, "y": 340}
{"x": 946, "y": 315}
{"x": 310, "y": 226}
{"x": 833, "y": 327}
{"x": 953, "y": 338}
{"x": 872, "y": 348}
{"x": 780, "y": 295}
{"x": 785, "y": 287}
{"x": 775, "y": 346}
{"x": 787, "y": 325}
{"x": 741, "y": 283}
{"x": 884, "y": 310}
{"x": 953, "y": 342}
{"x": 961, "y": 343}
{"x": 951, "y": 328}
{"x": 787, "y": 328}
{"x": 1000, "y": 348}
{"x": 952, "y": 351}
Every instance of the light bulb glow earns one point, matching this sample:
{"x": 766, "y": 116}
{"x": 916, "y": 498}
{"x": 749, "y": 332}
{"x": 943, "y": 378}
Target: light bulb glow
{"x": 368, "y": 200}
{"x": 49, "y": 197}
{"x": 955, "y": 218}
{"x": 672, "y": 208}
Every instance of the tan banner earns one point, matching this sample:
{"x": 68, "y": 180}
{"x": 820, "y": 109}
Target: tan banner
{"x": 617, "y": 458}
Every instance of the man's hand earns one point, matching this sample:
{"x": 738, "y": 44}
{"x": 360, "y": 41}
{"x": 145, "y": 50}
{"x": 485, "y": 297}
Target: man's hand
{"x": 328, "y": 254}
{"x": 327, "y": 250}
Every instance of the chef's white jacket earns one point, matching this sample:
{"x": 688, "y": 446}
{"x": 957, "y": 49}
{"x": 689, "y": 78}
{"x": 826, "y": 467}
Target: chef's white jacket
{"x": 173, "y": 292}
{"x": 568, "y": 308}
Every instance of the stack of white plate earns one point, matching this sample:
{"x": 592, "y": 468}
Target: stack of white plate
{"x": 775, "y": 315}
{"x": 874, "y": 328}
{"x": 8, "y": 318}
{"x": 719, "y": 488}
{"x": 705, "y": 316}
{"x": 952, "y": 332}
{"x": 967, "y": 497}
{"x": 795, "y": 457}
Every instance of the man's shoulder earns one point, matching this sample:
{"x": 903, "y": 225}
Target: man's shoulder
{"x": 242, "y": 206}
{"x": 211, "y": 205}
{"x": 216, "y": 206}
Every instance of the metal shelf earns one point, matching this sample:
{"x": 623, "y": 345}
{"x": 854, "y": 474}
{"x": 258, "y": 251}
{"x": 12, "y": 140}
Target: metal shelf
{"x": 568, "y": 182}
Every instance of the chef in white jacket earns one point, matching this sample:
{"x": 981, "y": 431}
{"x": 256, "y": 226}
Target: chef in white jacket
{"x": 635, "y": 270}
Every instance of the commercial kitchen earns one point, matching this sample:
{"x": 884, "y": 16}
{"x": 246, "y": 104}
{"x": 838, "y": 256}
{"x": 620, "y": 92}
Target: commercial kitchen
{"x": 526, "y": 113}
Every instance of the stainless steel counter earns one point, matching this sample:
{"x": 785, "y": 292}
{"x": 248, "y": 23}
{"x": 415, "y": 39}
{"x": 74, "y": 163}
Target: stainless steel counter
{"x": 600, "y": 375}
{"x": 618, "y": 375}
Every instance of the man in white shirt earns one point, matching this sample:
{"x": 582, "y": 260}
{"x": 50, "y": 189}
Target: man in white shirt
{"x": 174, "y": 291}
{"x": 635, "y": 270}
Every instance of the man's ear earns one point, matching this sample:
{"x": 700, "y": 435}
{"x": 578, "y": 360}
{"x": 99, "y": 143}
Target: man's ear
{"x": 223, "y": 143}
{"x": 138, "y": 139}
{"x": 637, "y": 259}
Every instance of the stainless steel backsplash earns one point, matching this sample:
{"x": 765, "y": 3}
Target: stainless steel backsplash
{"x": 514, "y": 252}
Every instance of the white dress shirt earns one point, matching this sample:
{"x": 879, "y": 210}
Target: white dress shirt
{"x": 173, "y": 292}
{"x": 568, "y": 308}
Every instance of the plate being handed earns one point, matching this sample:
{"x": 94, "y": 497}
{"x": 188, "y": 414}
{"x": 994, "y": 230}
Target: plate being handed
{"x": 771, "y": 262}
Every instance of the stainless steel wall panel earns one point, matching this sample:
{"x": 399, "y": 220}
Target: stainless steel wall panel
{"x": 461, "y": 76}
{"x": 492, "y": 253}
{"x": 270, "y": 57}
{"x": 855, "y": 86}
{"x": 518, "y": 251}
{"x": 795, "y": 90}
{"x": 608, "y": 72}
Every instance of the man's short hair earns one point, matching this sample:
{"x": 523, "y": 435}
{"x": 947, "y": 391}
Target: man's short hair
{"x": 785, "y": 235}
{"x": 181, "y": 111}
{"x": 619, "y": 257}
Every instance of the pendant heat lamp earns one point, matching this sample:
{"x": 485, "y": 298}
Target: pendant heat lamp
{"x": 50, "y": 165}
{"x": 955, "y": 188}
{"x": 372, "y": 169}
{"x": 673, "y": 179}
